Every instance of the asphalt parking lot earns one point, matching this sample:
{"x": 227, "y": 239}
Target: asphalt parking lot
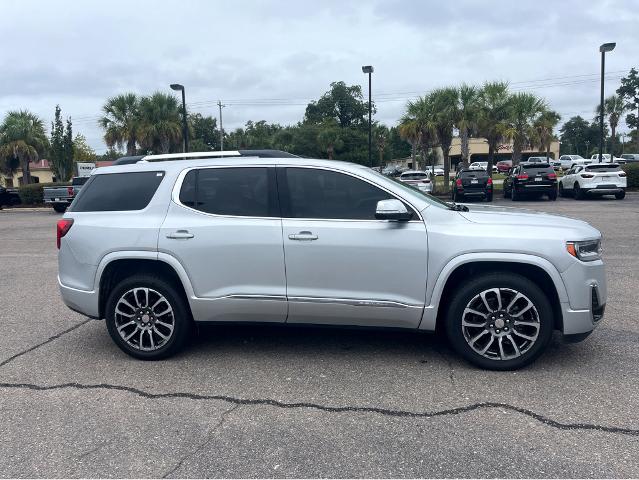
{"x": 299, "y": 402}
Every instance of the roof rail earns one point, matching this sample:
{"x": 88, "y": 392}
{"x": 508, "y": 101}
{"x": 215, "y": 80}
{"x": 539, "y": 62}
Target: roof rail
{"x": 193, "y": 155}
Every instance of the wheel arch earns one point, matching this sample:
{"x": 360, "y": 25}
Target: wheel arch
{"x": 114, "y": 268}
{"x": 536, "y": 269}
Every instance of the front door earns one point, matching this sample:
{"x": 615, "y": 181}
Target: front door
{"x": 225, "y": 230}
{"x": 342, "y": 265}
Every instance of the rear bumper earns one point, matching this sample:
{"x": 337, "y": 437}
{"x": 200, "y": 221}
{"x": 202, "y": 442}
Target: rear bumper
{"x": 81, "y": 301}
{"x": 604, "y": 189}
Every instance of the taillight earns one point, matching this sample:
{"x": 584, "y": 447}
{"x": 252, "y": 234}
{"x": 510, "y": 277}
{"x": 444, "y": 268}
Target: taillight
{"x": 622, "y": 174}
{"x": 587, "y": 175}
{"x": 459, "y": 182}
{"x": 490, "y": 181}
{"x": 523, "y": 176}
{"x": 70, "y": 191}
{"x": 64, "y": 225}
{"x": 552, "y": 176}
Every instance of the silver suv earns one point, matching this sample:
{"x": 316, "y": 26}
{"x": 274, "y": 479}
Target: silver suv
{"x": 155, "y": 246}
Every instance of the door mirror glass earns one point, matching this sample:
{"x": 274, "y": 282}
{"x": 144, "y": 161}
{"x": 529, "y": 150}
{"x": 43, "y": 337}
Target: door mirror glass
{"x": 392, "y": 209}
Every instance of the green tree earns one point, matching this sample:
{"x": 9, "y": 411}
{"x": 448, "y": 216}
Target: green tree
{"x": 56, "y": 150}
{"x": 629, "y": 90}
{"x": 577, "y": 136}
{"x": 381, "y": 137}
{"x": 397, "y": 146}
{"x": 494, "y": 113}
{"x": 329, "y": 138}
{"x": 614, "y": 108}
{"x": 446, "y": 113}
{"x": 543, "y": 130}
{"x": 82, "y": 151}
{"x": 120, "y": 120}
{"x": 204, "y": 134}
{"x": 160, "y": 123}
{"x": 69, "y": 151}
{"x": 467, "y": 116}
{"x": 523, "y": 109}
{"x": 284, "y": 139}
{"x": 341, "y": 103}
{"x": 409, "y": 131}
{"x": 22, "y": 137}
{"x": 423, "y": 112}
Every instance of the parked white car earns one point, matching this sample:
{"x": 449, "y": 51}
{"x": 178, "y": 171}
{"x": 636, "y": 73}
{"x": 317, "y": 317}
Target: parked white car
{"x": 482, "y": 166}
{"x": 567, "y": 161}
{"x": 418, "y": 179}
{"x": 596, "y": 178}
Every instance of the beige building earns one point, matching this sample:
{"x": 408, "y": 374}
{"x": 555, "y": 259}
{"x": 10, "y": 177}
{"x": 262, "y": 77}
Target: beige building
{"x": 40, "y": 173}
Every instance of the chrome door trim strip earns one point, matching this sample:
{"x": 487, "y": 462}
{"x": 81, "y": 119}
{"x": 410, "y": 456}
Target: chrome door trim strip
{"x": 279, "y": 298}
{"x": 354, "y": 302}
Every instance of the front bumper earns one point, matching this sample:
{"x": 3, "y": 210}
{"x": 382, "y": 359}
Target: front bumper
{"x": 587, "y": 294}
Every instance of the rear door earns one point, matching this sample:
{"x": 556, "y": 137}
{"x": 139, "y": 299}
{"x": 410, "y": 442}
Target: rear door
{"x": 342, "y": 265}
{"x": 224, "y": 227}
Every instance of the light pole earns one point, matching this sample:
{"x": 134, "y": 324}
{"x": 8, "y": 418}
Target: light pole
{"x": 606, "y": 47}
{"x": 369, "y": 69}
{"x": 185, "y": 127}
{"x": 219, "y": 104}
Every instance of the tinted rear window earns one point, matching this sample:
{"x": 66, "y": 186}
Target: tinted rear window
{"x": 538, "y": 169}
{"x": 117, "y": 192}
{"x": 603, "y": 168}
{"x": 473, "y": 173}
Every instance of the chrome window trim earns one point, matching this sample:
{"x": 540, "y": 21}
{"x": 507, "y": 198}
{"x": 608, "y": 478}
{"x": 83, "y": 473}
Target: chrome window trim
{"x": 175, "y": 195}
{"x": 353, "y": 302}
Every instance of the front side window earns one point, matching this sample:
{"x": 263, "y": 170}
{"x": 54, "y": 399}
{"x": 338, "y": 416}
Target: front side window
{"x": 230, "y": 191}
{"x": 315, "y": 193}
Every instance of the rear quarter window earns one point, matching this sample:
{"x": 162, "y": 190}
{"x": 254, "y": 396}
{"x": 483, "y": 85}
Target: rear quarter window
{"x": 117, "y": 192}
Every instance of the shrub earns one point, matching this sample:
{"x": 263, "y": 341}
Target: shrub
{"x": 32, "y": 194}
{"x": 632, "y": 172}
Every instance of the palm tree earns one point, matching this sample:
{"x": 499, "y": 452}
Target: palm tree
{"x": 614, "y": 107}
{"x": 422, "y": 112}
{"x": 381, "y": 134}
{"x": 329, "y": 139}
{"x": 120, "y": 121}
{"x": 494, "y": 105}
{"x": 543, "y": 128}
{"x": 409, "y": 131}
{"x": 160, "y": 127}
{"x": 524, "y": 109}
{"x": 467, "y": 116}
{"x": 22, "y": 137}
{"x": 445, "y": 103}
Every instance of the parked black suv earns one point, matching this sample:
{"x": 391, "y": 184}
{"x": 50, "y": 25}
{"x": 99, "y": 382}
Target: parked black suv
{"x": 472, "y": 184}
{"x": 8, "y": 196}
{"x": 531, "y": 179}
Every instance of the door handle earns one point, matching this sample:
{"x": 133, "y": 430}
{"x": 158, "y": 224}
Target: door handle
{"x": 180, "y": 234}
{"x": 303, "y": 236}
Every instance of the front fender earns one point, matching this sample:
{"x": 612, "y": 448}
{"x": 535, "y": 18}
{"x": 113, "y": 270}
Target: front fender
{"x": 435, "y": 291}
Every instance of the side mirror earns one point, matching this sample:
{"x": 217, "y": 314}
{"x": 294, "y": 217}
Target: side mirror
{"x": 392, "y": 210}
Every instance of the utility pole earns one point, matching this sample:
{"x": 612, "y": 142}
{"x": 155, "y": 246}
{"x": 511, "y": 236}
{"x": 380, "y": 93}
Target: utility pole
{"x": 219, "y": 104}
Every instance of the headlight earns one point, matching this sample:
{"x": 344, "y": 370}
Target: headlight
{"x": 586, "y": 251}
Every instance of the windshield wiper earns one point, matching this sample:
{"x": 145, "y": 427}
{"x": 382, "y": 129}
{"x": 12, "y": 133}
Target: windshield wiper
{"x": 457, "y": 207}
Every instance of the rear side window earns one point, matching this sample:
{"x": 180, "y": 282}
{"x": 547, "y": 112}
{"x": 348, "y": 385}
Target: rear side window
{"x": 117, "y": 192}
{"x": 244, "y": 192}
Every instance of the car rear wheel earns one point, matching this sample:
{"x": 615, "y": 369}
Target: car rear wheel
{"x": 552, "y": 195}
{"x": 500, "y": 321}
{"x": 620, "y": 195}
{"x": 514, "y": 196}
{"x": 59, "y": 208}
{"x": 489, "y": 197}
{"x": 147, "y": 318}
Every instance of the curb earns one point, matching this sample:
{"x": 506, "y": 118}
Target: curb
{"x": 26, "y": 209}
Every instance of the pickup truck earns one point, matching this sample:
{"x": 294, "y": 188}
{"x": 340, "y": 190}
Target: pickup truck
{"x": 9, "y": 197}
{"x": 605, "y": 157}
{"x": 61, "y": 197}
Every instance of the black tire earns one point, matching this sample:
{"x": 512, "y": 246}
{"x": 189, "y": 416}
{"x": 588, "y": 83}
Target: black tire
{"x": 464, "y": 295}
{"x": 552, "y": 195}
{"x": 514, "y": 195}
{"x": 182, "y": 321}
{"x": 579, "y": 193}
{"x": 459, "y": 197}
{"x": 489, "y": 197}
{"x": 59, "y": 208}
{"x": 453, "y": 195}
{"x": 506, "y": 192}
{"x": 620, "y": 195}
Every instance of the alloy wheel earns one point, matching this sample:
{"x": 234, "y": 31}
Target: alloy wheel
{"x": 500, "y": 323}
{"x": 144, "y": 319}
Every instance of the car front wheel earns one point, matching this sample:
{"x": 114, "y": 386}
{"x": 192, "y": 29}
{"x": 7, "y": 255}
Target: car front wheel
{"x": 147, "y": 317}
{"x": 500, "y": 321}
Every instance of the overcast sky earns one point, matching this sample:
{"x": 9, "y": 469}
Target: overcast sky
{"x": 248, "y": 53}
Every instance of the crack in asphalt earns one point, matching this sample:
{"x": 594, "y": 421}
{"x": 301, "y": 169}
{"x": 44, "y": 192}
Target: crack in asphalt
{"x": 331, "y": 409}
{"x": 209, "y": 437}
{"x": 48, "y": 340}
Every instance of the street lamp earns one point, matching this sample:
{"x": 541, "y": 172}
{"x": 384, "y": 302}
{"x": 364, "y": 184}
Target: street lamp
{"x": 185, "y": 128}
{"x": 606, "y": 47}
{"x": 369, "y": 69}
